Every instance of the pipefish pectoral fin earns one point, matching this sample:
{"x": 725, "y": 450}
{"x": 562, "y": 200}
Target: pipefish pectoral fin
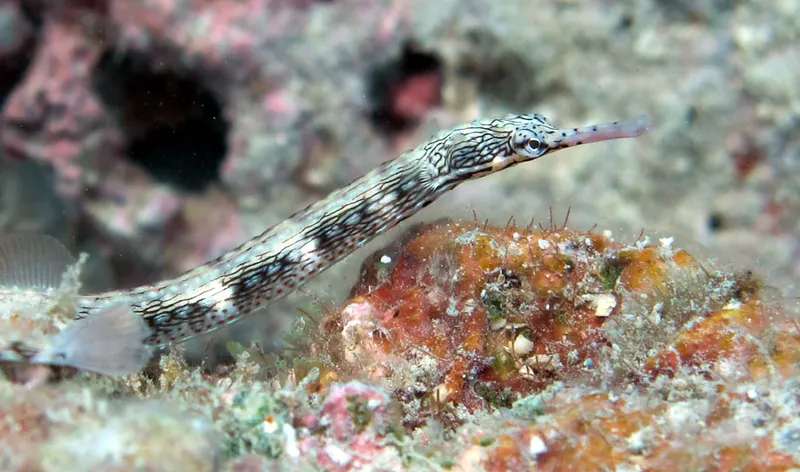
{"x": 32, "y": 261}
{"x": 110, "y": 341}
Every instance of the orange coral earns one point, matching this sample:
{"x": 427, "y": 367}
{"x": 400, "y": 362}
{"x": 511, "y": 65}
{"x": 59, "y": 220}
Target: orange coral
{"x": 733, "y": 334}
{"x": 500, "y": 314}
{"x": 501, "y": 311}
{"x": 504, "y": 311}
{"x": 598, "y": 432}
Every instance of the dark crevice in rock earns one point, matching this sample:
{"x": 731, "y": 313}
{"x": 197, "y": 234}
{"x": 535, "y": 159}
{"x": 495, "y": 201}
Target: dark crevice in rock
{"x": 402, "y": 89}
{"x": 173, "y": 125}
{"x": 19, "y": 29}
{"x": 716, "y": 222}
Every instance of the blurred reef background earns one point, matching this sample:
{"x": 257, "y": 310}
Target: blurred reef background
{"x": 655, "y": 331}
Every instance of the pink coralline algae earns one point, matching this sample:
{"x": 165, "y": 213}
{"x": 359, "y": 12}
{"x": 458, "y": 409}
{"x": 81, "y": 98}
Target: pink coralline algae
{"x": 53, "y": 116}
{"x": 356, "y": 419}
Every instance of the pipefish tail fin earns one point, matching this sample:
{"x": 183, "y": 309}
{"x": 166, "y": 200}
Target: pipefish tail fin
{"x": 32, "y": 261}
{"x": 109, "y": 342}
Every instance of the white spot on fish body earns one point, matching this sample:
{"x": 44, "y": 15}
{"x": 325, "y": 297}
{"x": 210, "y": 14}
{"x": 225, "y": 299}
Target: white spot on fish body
{"x": 388, "y": 199}
{"x": 308, "y": 248}
{"x": 353, "y": 219}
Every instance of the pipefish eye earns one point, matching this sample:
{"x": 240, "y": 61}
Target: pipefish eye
{"x": 533, "y": 144}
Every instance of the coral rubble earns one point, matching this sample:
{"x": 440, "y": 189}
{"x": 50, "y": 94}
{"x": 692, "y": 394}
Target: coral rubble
{"x": 463, "y": 347}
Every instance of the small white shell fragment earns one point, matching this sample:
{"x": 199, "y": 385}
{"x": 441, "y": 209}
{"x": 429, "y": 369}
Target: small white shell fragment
{"x": 292, "y": 450}
{"x": 269, "y": 425}
{"x": 385, "y": 259}
{"x": 522, "y": 346}
{"x": 655, "y": 313}
{"x": 543, "y": 244}
{"x": 666, "y": 242}
{"x": 497, "y": 324}
{"x": 440, "y": 393}
{"x": 733, "y": 304}
{"x": 540, "y": 361}
{"x": 604, "y": 304}
{"x": 338, "y": 455}
{"x": 471, "y": 459}
{"x": 526, "y": 372}
{"x": 536, "y": 446}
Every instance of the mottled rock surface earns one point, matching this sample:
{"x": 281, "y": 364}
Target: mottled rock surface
{"x": 466, "y": 348}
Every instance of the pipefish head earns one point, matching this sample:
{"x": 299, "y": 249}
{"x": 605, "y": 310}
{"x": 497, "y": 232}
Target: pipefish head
{"x": 484, "y": 147}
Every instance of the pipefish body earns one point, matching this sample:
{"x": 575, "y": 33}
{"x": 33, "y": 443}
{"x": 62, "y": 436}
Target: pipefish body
{"x": 284, "y": 257}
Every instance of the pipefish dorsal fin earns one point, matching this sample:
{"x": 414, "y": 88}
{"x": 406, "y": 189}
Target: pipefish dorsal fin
{"x": 32, "y": 261}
